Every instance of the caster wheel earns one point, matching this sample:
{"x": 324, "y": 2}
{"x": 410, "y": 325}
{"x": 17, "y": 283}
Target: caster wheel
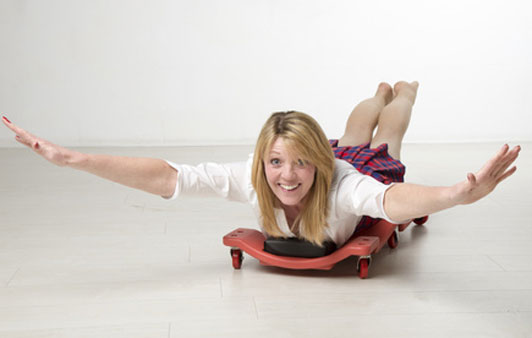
{"x": 363, "y": 267}
{"x": 421, "y": 220}
{"x": 393, "y": 241}
{"x": 236, "y": 255}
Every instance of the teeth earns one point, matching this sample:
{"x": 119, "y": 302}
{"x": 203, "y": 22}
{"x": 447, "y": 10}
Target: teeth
{"x": 289, "y": 187}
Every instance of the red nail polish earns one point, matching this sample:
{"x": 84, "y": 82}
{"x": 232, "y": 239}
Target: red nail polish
{"x": 5, "y": 118}
{"x": 36, "y": 145}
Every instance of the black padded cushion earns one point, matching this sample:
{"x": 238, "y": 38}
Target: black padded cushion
{"x": 295, "y": 247}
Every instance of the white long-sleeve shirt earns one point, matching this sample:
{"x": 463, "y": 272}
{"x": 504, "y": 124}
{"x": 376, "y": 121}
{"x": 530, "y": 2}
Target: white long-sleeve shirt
{"x": 352, "y": 195}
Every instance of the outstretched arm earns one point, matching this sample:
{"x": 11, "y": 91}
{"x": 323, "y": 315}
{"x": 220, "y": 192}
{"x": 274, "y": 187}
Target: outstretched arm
{"x": 407, "y": 201}
{"x": 147, "y": 174}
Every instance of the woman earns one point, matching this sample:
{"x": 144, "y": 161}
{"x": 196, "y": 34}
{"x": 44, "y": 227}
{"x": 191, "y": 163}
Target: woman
{"x": 298, "y": 182}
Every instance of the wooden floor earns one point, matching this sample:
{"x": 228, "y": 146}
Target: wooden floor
{"x": 82, "y": 257}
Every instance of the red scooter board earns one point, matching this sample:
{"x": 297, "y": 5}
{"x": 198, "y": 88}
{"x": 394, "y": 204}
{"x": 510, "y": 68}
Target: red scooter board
{"x": 363, "y": 244}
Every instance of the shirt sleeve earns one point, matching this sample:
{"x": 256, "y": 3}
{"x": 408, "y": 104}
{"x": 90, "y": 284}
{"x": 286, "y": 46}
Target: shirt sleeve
{"x": 228, "y": 180}
{"x": 362, "y": 195}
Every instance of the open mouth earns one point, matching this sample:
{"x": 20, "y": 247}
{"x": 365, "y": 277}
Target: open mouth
{"x": 289, "y": 188}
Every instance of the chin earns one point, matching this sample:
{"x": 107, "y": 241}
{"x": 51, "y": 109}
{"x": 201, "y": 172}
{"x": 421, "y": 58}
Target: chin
{"x": 290, "y": 201}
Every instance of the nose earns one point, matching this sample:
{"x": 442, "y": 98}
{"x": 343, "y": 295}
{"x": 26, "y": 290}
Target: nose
{"x": 288, "y": 173}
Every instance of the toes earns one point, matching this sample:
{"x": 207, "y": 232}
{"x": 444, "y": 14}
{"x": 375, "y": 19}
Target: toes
{"x": 386, "y": 90}
{"x": 384, "y": 86}
{"x": 406, "y": 89}
{"x": 403, "y": 84}
{"x": 399, "y": 85}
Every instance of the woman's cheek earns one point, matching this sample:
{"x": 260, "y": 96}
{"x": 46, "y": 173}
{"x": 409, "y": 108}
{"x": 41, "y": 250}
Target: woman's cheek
{"x": 270, "y": 176}
{"x": 309, "y": 175}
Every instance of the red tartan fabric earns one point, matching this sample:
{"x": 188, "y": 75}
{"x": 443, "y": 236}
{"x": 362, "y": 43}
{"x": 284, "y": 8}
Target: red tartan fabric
{"x": 375, "y": 162}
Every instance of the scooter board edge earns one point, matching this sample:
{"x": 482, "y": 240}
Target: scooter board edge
{"x": 251, "y": 241}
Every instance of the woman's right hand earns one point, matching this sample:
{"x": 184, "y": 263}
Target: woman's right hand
{"x": 52, "y": 152}
{"x": 151, "y": 175}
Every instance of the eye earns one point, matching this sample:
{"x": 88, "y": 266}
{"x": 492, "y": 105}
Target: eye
{"x": 301, "y": 163}
{"x": 275, "y": 161}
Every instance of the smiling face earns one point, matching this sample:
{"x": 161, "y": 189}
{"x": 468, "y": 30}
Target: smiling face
{"x": 289, "y": 177}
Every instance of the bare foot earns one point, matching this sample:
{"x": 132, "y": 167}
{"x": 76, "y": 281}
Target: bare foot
{"x": 385, "y": 91}
{"x": 407, "y": 90}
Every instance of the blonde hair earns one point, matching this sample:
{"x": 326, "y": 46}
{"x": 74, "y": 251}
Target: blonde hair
{"x": 304, "y": 137}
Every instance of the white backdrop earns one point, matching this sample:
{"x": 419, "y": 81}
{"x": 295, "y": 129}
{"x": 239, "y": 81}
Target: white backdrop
{"x": 123, "y": 72}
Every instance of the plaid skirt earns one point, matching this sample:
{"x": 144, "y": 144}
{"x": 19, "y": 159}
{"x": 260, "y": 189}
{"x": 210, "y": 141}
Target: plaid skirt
{"x": 375, "y": 162}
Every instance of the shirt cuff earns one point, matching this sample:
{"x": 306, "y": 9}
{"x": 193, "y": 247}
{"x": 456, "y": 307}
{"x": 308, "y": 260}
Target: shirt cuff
{"x": 176, "y": 191}
{"x": 386, "y": 217}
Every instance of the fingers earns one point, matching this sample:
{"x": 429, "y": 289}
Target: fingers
{"x": 507, "y": 174}
{"x": 35, "y": 145}
{"x": 501, "y": 161}
{"x": 497, "y": 160}
{"x": 17, "y": 130}
{"x": 22, "y": 136}
{"x": 9, "y": 125}
{"x": 493, "y": 163}
{"x": 7, "y": 122}
{"x": 20, "y": 140}
{"x": 505, "y": 160}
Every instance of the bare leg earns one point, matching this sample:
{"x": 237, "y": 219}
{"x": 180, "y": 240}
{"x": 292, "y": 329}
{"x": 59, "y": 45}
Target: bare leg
{"x": 363, "y": 119}
{"x": 395, "y": 117}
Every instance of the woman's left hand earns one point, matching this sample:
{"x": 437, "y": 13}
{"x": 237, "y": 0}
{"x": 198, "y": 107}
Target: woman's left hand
{"x": 486, "y": 179}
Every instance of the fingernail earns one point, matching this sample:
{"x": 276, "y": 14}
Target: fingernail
{"x": 5, "y": 118}
{"x": 36, "y": 145}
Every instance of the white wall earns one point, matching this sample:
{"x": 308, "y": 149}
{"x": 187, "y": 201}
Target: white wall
{"x": 159, "y": 72}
